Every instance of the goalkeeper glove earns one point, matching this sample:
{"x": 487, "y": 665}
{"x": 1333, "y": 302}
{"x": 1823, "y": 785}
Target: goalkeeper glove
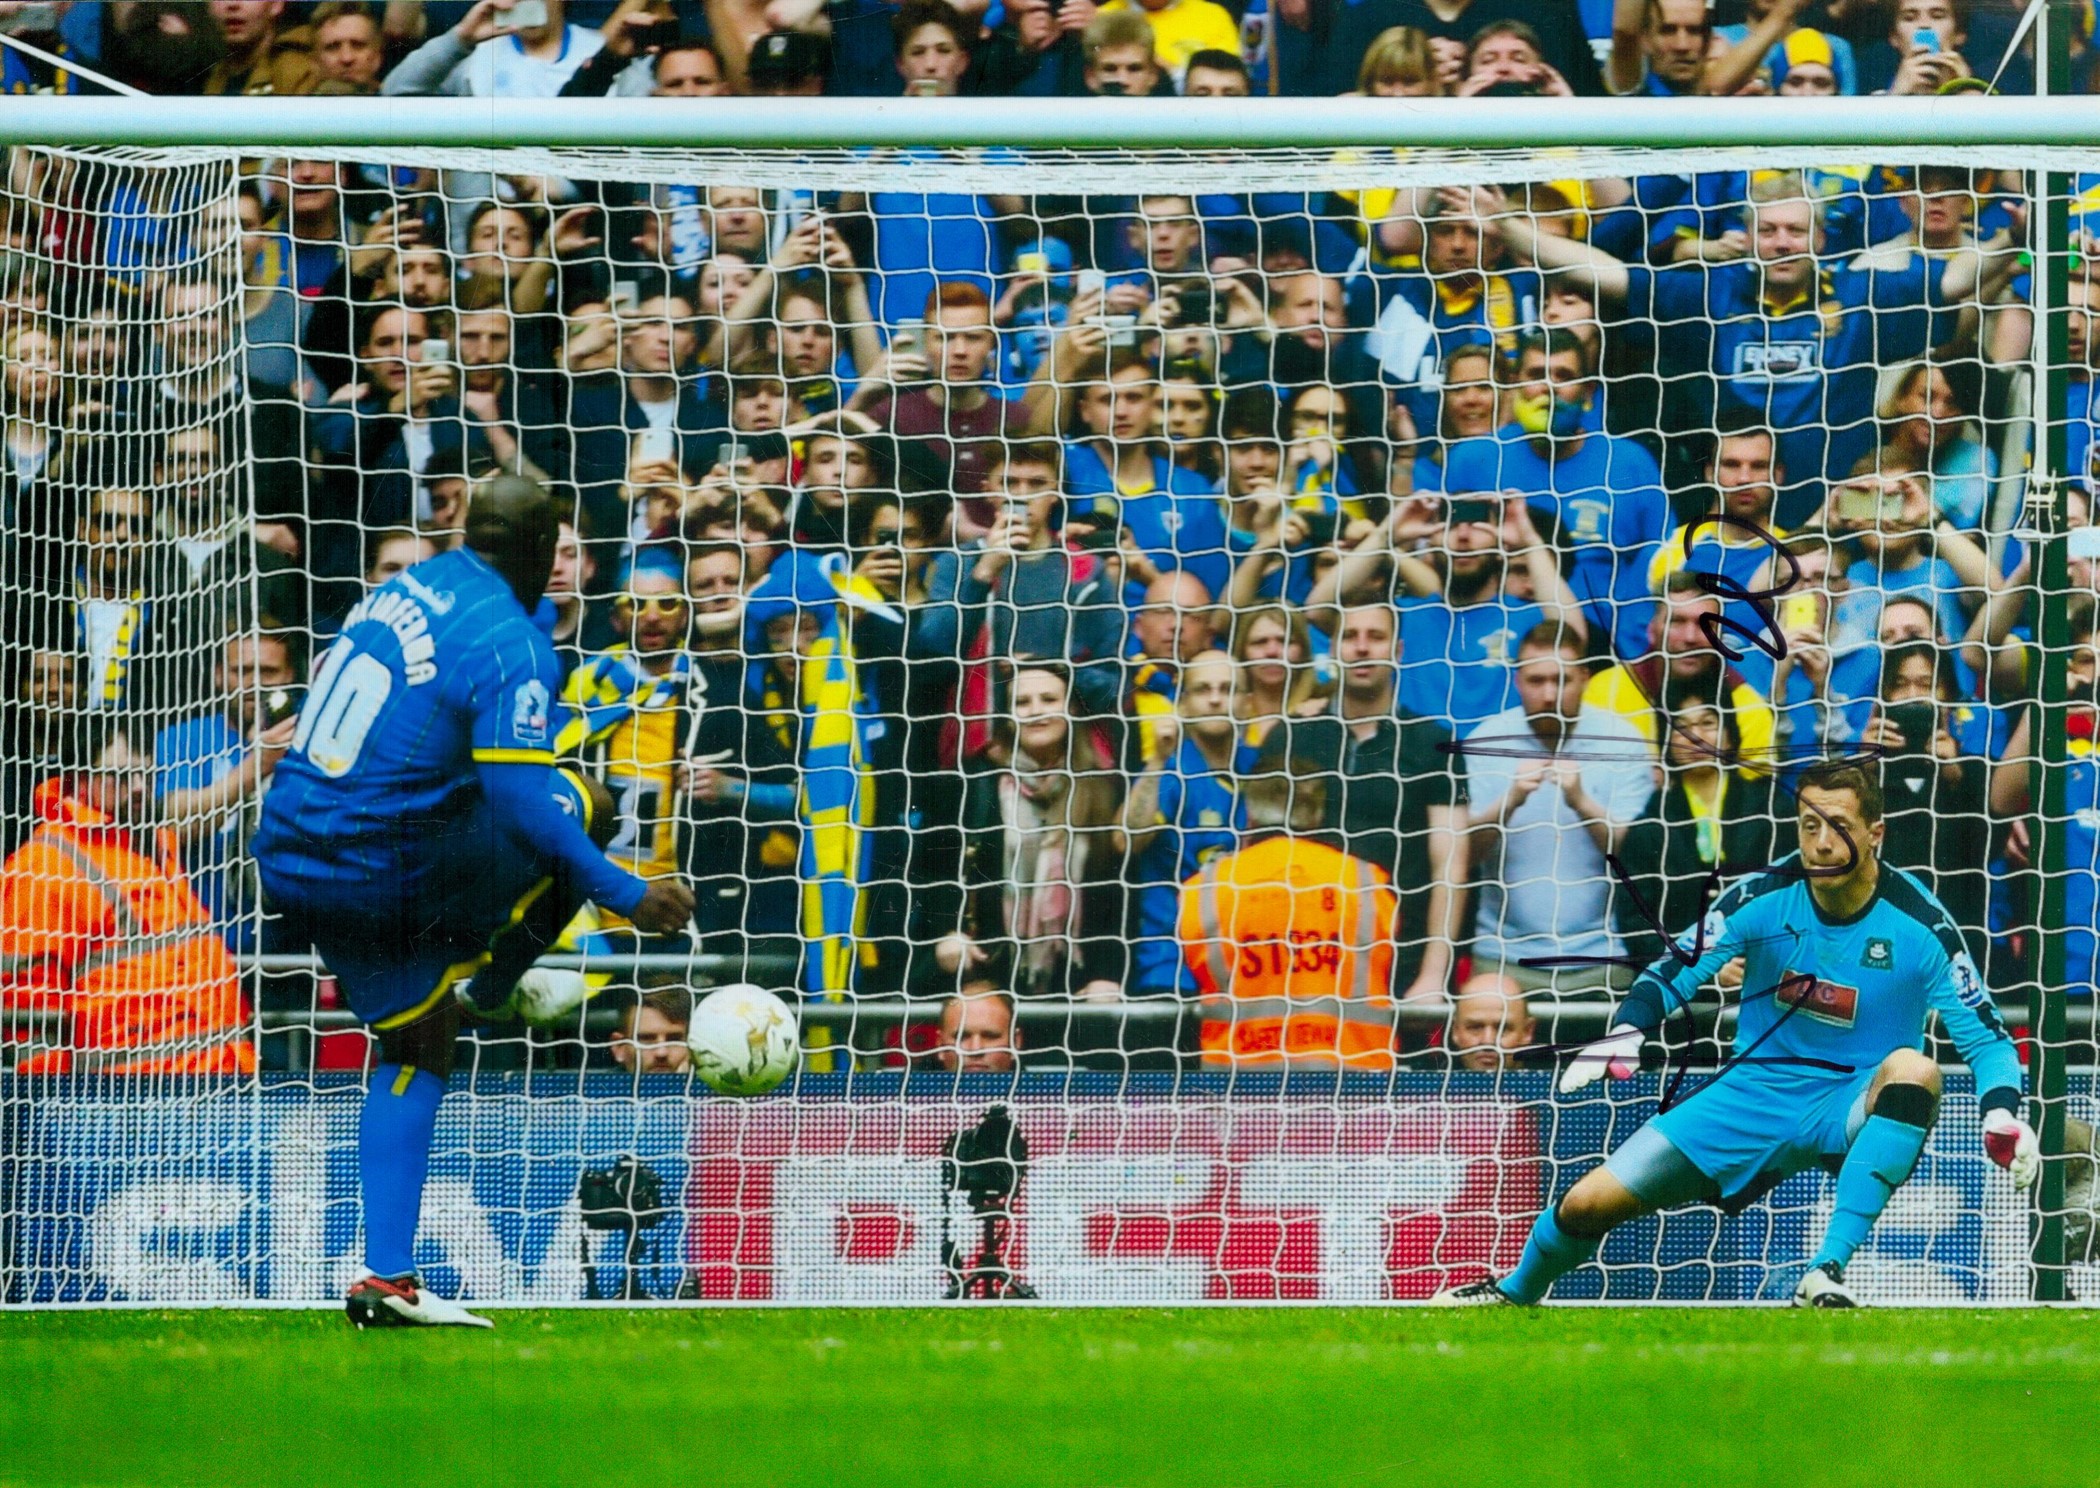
{"x": 2012, "y": 1146}
{"x": 1617, "y": 1054}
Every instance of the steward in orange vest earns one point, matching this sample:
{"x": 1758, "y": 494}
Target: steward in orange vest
{"x": 1291, "y": 942}
{"x": 99, "y": 925}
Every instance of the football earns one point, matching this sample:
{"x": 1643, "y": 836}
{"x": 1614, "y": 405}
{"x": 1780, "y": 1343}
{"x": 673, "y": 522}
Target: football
{"x": 744, "y": 1040}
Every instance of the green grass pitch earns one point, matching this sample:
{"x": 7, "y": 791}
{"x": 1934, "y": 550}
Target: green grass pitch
{"x": 1008, "y": 1399}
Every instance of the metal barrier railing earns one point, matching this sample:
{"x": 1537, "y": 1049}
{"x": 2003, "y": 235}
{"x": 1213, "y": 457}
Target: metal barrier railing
{"x": 862, "y": 1025}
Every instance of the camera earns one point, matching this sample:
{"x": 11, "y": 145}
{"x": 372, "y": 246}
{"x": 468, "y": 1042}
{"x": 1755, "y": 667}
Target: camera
{"x": 627, "y": 1199}
{"x": 1919, "y": 722}
{"x": 656, "y": 35}
{"x": 982, "y": 1168}
{"x": 626, "y": 1196}
{"x": 280, "y": 703}
{"x": 1195, "y": 303}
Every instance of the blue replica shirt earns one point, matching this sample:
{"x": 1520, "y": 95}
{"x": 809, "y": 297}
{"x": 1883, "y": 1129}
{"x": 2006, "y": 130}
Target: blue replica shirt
{"x": 1848, "y": 992}
{"x": 923, "y": 241}
{"x": 1711, "y": 203}
{"x": 1201, "y": 816}
{"x": 438, "y": 676}
{"x": 1606, "y": 505}
{"x": 193, "y": 755}
{"x": 1458, "y": 663}
{"x": 1856, "y": 613}
{"x": 1807, "y": 366}
{"x": 2081, "y": 829}
{"x": 1177, "y": 521}
{"x": 15, "y": 74}
{"x": 2078, "y": 431}
{"x": 1806, "y": 721}
{"x": 1418, "y": 320}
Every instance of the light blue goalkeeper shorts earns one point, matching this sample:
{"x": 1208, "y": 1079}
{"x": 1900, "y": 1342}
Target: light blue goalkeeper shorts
{"x": 1744, "y": 1132}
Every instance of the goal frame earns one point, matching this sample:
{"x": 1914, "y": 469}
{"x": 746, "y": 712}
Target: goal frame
{"x": 2055, "y": 135}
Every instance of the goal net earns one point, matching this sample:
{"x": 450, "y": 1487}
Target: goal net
{"x": 1202, "y": 672}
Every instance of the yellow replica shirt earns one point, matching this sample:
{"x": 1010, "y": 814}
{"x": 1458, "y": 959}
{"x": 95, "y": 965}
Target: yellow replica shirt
{"x": 630, "y": 726}
{"x": 1627, "y": 690}
{"x": 1185, "y": 27}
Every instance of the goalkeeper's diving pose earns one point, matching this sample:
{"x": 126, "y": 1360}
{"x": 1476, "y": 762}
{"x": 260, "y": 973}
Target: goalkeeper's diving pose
{"x": 420, "y": 836}
{"x": 1828, "y": 1068}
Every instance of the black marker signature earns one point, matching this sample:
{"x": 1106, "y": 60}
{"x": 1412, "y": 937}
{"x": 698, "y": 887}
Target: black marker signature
{"x": 1773, "y": 641}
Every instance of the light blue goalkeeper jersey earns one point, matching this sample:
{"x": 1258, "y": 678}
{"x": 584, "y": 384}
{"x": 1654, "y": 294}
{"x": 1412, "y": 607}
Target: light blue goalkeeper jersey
{"x": 1837, "y": 994}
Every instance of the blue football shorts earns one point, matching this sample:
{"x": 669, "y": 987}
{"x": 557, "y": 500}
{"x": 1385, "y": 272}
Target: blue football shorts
{"x": 1743, "y": 1132}
{"x": 397, "y": 956}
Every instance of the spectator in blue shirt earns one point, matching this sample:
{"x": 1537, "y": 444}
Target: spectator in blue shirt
{"x": 213, "y": 768}
{"x": 1900, "y": 63}
{"x": 1599, "y": 495}
{"x": 1460, "y": 614}
{"x": 1458, "y": 292}
{"x": 1659, "y": 48}
{"x": 1732, "y": 532}
{"x": 1171, "y": 516}
{"x": 1778, "y": 332}
{"x": 1469, "y": 407}
{"x": 1182, "y": 809}
{"x": 1897, "y": 543}
{"x": 1251, "y": 428}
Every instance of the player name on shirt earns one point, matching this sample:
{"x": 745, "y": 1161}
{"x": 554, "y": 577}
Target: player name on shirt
{"x": 407, "y": 615}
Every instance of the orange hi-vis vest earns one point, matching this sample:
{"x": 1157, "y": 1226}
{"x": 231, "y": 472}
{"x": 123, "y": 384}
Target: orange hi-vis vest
{"x": 1291, "y": 945}
{"x": 108, "y": 935}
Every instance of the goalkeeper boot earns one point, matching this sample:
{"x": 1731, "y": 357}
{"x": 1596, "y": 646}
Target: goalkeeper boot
{"x": 1824, "y": 1286}
{"x": 541, "y": 997}
{"x": 401, "y": 1302}
{"x": 1482, "y": 1293}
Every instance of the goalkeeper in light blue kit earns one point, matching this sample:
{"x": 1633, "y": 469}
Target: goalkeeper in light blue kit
{"x": 1850, "y": 955}
{"x": 419, "y": 834}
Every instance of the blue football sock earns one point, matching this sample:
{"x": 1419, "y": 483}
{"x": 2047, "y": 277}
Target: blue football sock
{"x": 1549, "y": 1254}
{"x": 393, "y": 1157}
{"x": 1878, "y": 1162}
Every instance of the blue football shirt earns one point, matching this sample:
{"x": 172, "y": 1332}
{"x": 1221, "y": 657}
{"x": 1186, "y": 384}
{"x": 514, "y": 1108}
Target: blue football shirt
{"x": 437, "y": 671}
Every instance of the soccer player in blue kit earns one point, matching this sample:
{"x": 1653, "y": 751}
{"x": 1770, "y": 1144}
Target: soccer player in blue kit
{"x": 418, "y": 833}
{"x": 1828, "y": 1064}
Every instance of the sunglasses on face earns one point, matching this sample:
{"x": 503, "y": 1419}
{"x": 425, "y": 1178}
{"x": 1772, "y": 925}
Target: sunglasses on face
{"x": 656, "y": 604}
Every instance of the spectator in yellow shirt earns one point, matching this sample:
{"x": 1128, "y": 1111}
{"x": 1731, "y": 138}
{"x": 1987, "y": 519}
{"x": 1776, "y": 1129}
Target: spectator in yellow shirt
{"x": 1682, "y": 666}
{"x": 1182, "y": 28}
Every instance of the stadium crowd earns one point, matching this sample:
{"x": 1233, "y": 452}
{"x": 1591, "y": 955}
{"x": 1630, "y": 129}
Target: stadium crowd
{"x": 1107, "y": 597}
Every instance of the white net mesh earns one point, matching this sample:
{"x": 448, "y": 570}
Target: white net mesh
{"x": 1226, "y": 615}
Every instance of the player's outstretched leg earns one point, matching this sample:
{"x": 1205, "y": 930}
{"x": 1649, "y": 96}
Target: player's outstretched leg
{"x": 395, "y": 1131}
{"x": 1562, "y": 1238}
{"x": 510, "y": 986}
{"x": 1901, "y": 1105}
